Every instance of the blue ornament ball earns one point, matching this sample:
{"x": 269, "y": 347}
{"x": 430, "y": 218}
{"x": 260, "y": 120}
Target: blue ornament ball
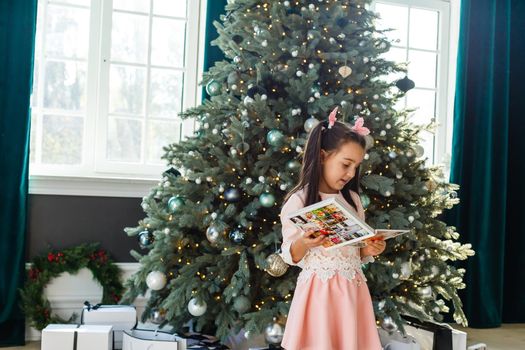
{"x": 175, "y": 203}
{"x": 237, "y": 236}
{"x": 213, "y": 88}
{"x": 232, "y": 195}
{"x": 275, "y": 138}
{"x": 267, "y": 200}
{"x": 146, "y": 239}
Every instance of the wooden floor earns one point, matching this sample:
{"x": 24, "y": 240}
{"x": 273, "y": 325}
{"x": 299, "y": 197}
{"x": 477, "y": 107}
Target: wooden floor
{"x": 506, "y": 337}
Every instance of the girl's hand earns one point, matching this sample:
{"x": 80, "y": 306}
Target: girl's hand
{"x": 373, "y": 248}
{"x": 310, "y": 241}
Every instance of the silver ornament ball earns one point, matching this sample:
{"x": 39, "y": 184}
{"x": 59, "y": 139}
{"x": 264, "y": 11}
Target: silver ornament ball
{"x": 273, "y": 333}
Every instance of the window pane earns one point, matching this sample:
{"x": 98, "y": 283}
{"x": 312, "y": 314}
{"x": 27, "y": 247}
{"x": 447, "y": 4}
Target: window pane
{"x": 67, "y": 32}
{"x": 32, "y": 144}
{"x": 129, "y": 38}
{"x": 34, "y": 91}
{"x": 127, "y": 85}
{"x": 165, "y": 93}
{"x": 423, "y": 29}
{"x": 65, "y": 85}
{"x": 422, "y": 68}
{"x": 168, "y": 42}
{"x": 425, "y": 102}
{"x": 393, "y": 17}
{"x": 74, "y": 2}
{"x": 124, "y": 139}
{"x": 175, "y": 8}
{"x": 62, "y": 139}
{"x": 132, "y": 5}
{"x": 160, "y": 134}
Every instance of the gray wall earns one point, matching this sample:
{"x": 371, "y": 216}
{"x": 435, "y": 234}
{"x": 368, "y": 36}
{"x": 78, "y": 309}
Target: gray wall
{"x": 64, "y": 221}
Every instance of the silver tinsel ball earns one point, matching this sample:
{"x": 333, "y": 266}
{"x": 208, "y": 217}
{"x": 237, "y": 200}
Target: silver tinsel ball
{"x": 241, "y": 304}
{"x": 389, "y": 325}
{"x": 310, "y": 123}
{"x": 237, "y": 59}
{"x": 276, "y": 265}
{"x": 267, "y": 200}
{"x": 213, "y": 234}
{"x": 158, "y": 316}
{"x": 197, "y": 308}
{"x": 273, "y": 333}
{"x": 156, "y": 280}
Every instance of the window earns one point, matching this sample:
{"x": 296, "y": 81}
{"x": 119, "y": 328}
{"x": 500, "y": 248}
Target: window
{"x": 422, "y": 31}
{"x": 110, "y": 78}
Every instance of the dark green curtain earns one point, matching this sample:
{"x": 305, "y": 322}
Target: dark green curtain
{"x": 488, "y": 161}
{"x": 212, "y": 54}
{"x": 17, "y": 32}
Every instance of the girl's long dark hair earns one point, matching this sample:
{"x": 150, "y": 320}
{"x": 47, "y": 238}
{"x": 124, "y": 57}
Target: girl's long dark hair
{"x": 329, "y": 140}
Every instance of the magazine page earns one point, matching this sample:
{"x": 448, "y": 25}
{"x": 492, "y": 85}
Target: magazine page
{"x": 384, "y": 234}
{"x": 333, "y": 219}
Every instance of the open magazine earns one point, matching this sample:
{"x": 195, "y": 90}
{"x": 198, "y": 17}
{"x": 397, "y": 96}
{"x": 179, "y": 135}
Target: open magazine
{"x": 332, "y": 218}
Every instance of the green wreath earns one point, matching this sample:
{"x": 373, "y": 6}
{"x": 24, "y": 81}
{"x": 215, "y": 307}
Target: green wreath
{"x": 46, "y": 267}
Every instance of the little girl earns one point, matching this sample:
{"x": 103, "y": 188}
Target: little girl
{"x": 331, "y": 308}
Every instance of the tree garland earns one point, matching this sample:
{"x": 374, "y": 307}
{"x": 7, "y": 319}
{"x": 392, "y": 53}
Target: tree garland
{"x": 46, "y": 267}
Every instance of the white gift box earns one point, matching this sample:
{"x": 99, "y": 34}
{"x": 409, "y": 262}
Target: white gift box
{"x": 121, "y": 317}
{"x": 152, "y": 340}
{"x": 435, "y": 336}
{"x": 69, "y": 337}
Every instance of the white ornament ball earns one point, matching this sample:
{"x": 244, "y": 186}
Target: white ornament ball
{"x": 298, "y": 149}
{"x": 388, "y": 126}
{"x": 213, "y": 216}
{"x": 156, "y": 280}
{"x": 197, "y": 309}
{"x": 411, "y": 218}
{"x": 299, "y": 73}
{"x": 234, "y": 87}
{"x": 295, "y": 53}
{"x": 311, "y": 66}
{"x": 388, "y": 194}
{"x": 283, "y": 187}
{"x": 264, "y": 43}
{"x": 286, "y": 3}
{"x": 382, "y": 133}
{"x": 261, "y": 178}
{"x": 311, "y": 7}
{"x": 249, "y": 180}
{"x": 264, "y": 97}
{"x": 209, "y": 178}
{"x": 248, "y": 100}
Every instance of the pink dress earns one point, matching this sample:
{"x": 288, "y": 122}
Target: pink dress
{"x": 331, "y": 307}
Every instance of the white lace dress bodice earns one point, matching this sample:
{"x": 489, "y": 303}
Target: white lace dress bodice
{"x": 324, "y": 264}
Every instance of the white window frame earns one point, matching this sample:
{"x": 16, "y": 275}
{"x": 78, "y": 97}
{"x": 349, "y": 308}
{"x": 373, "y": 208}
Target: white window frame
{"x": 102, "y": 179}
{"x": 446, "y": 72}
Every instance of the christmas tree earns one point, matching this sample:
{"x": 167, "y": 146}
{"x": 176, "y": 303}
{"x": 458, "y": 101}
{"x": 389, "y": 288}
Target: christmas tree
{"x": 212, "y": 229}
